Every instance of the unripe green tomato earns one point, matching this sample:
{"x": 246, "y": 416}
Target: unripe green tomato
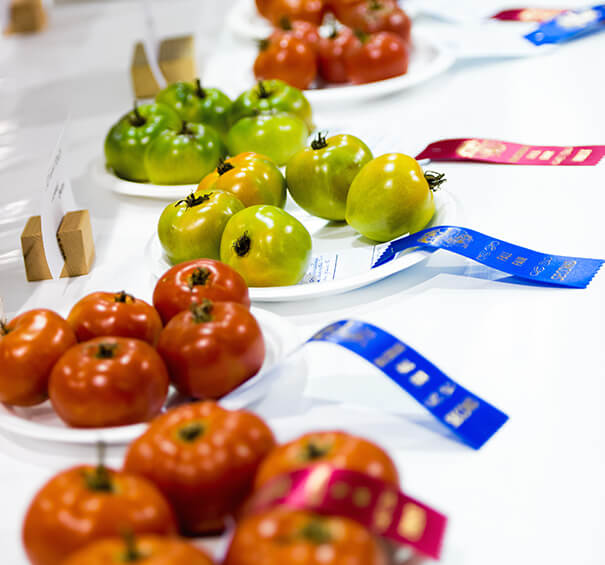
{"x": 319, "y": 176}
{"x": 267, "y": 246}
{"x": 390, "y": 197}
{"x": 185, "y": 156}
{"x": 277, "y": 135}
{"x": 192, "y": 228}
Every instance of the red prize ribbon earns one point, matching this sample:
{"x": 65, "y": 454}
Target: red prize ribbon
{"x": 379, "y": 506}
{"x": 526, "y": 15}
{"x": 506, "y": 153}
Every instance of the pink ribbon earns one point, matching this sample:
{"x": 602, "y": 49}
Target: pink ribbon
{"x": 527, "y": 15}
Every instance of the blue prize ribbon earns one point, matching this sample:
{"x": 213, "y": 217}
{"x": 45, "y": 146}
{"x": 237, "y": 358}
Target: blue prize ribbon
{"x": 470, "y": 418}
{"x": 569, "y": 25}
{"x": 575, "y": 272}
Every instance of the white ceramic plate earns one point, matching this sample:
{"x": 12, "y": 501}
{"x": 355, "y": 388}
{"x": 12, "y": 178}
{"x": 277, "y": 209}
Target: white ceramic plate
{"x": 41, "y": 422}
{"x": 329, "y": 239}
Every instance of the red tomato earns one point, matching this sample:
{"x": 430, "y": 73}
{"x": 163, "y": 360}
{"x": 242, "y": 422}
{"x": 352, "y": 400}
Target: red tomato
{"x": 144, "y": 550}
{"x": 264, "y": 7}
{"x": 192, "y": 281}
{"x": 340, "y": 449}
{"x": 372, "y": 16}
{"x": 30, "y": 345}
{"x": 287, "y": 58}
{"x": 307, "y": 10}
{"x": 86, "y": 503}
{"x": 108, "y": 381}
{"x": 115, "y": 314}
{"x": 376, "y": 57}
{"x": 283, "y": 536}
{"x": 203, "y": 458}
{"x": 300, "y": 29}
{"x": 212, "y": 348}
{"x": 330, "y": 55}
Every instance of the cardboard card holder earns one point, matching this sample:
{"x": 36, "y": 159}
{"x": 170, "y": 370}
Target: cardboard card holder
{"x": 25, "y": 16}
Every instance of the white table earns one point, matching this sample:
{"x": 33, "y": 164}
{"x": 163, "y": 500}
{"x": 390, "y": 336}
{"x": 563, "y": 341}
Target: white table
{"x": 534, "y": 493}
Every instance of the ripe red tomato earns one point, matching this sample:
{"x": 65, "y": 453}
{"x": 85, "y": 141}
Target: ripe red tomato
{"x": 305, "y": 31}
{"x": 86, "y": 503}
{"x": 144, "y": 550}
{"x": 203, "y": 458}
{"x": 30, "y": 345}
{"x": 287, "y": 58}
{"x": 330, "y": 55}
{"x": 372, "y": 16}
{"x": 212, "y": 348}
{"x": 376, "y": 57}
{"x": 108, "y": 381}
{"x": 340, "y": 449}
{"x": 307, "y": 10}
{"x": 192, "y": 281}
{"x": 115, "y": 314}
{"x": 283, "y": 536}
{"x": 264, "y": 7}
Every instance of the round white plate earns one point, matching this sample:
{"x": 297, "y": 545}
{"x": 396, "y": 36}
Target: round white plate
{"x": 145, "y": 189}
{"x": 42, "y": 423}
{"x": 329, "y": 238}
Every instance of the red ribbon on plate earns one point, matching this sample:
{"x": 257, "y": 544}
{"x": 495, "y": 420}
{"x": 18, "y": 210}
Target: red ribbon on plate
{"x": 379, "y": 506}
{"x": 527, "y": 15}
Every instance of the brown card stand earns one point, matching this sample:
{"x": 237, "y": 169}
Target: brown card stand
{"x": 176, "y": 60}
{"x": 75, "y": 238}
{"x": 26, "y": 16}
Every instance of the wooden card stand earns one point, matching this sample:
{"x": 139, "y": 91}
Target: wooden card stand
{"x": 176, "y": 61}
{"x": 76, "y": 242}
{"x": 26, "y": 16}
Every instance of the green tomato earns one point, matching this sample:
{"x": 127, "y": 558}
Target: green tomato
{"x": 267, "y": 246}
{"x": 277, "y": 135}
{"x": 192, "y": 228}
{"x": 391, "y": 196}
{"x": 319, "y": 176}
{"x": 199, "y": 105}
{"x": 272, "y": 95}
{"x": 185, "y": 156}
{"x": 128, "y": 139}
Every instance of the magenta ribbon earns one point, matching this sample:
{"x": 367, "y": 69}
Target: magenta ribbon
{"x": 379, "y": 506}
{"x": 527, "y": 15}
{"x": 507, "y": 153}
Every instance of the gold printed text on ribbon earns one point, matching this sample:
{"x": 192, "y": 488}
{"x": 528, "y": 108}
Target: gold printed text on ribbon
{"x": 386, "y": 357}
{"x": 350, "y": 332}
{"x": 413, "y": 522}
{"x": 385, "y": 509}
{"x": 519, "y": 153}
{"x": 581, "y": 155}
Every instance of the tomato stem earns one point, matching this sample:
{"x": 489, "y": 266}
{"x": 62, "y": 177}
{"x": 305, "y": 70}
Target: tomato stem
{"x": 263, "y": 45}
{"x": 99, "y": 480}
{"x": 4, "y": 329}
{"x": 285, "y": 23}
{"x": 223, "y": 167}
{"x": 262, "y": 90}
{"x": 191, "y": 431}
{"x": 135, "y": 117}
{"x": 199, "y": 277}
{"x": 361, "y": 35}
{"x": 132, "y": 553}
{"x": 106, "y": 350}
{"x": 434, "y": 179}
{"x": 193, "y": 200}
{"x": 333, "y": 32}
{"x": 122, "y": 296}
{"x": 199, "y": 91}
{"x": 313, "y": 451}
{"x": 202, "y": 313}
{"x": 241, "y": 246}
{"x": 374, "y": 5}
{"x": 316, "y": 532}
{"x": 186, "y": 131}
{"x": 319, "y": 142}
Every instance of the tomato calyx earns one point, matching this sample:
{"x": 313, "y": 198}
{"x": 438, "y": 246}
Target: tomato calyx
{"x": 106, "y": 350}
{"x": 131, "y": 553}
{"x": 223, "y": 167}
{"x": 191, "y": 431}
{"x": 316, "y": 532}
{"x": 314, "y": 451}
{"x": 242, "y": 244}
{"x": 285, "y": 23}
{"x": 185, "y": 130}
{"x": 319, "y": 142}
{"x": 193, "y": 200}
{"x": 434, "y": 179}
{"x": 263, "y": 45}
{"x": 362, "y": 36}
{"x": 99, "y": 480}
{"x": 199, "y": 277}
{"x": 202, "y": 313}
{"x": 4, "y": 329}
{"x": 123, "y": 297}
{"x": 199, "y": 91}
{"x": 374, "y": 5}
{"x": 135, "y": 117}
{"x": 262, "y": 90}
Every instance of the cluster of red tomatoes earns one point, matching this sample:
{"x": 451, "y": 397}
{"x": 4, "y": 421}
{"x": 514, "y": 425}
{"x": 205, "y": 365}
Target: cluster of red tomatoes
{"x": 371, "y": 43}
{"x": 191, "y": 473}
{"x": 111, "y": 362}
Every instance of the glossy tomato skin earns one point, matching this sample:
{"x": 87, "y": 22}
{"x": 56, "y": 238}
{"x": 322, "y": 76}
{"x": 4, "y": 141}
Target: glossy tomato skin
{"x": 203, "y": 458}
{"x": 340, "y": 449}
{"x": 390, "y": 197}
{"x": 331, "y": 54}
{"x": 307, "y": 10}
{"x": 30, "y": 345}
{"x": 252, "y": 178}
{"x": 108, "y": 381}
{"x": 372, "y": 16}
{"x": 75, "y": 508}
{"x": 115, "y": 314}
{"x": 380, "y": 56}
{"x": 281, "y": 536}
{"x": 182, "y": 285}
{"x": 212, "y": 348}
{"x": 192, "y": 228}
{"x": 305, "y": 31}
{"x": 286, "y": 57}
{"x": 146, "y": 550}
{"x": 319, "y": 176}
{"x": 267, "y": 246}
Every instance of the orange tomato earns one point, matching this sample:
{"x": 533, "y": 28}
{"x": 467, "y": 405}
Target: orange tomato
{"x": 86, "y": 503}
{"x": 144, "y": 550}
{"x": 108, "y": 381}
{"x": 30, "y": 345}
{"x": 283, "y": 536}
{"x": 306, "y": 31}
{"x": 340, "y": 449}
{"x": 115, "y": 314}
{"x": 307, "y": 10}
{"x": 203, "y": 458}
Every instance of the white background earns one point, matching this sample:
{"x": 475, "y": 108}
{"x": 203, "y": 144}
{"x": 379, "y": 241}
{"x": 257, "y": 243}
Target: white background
{"x": 534, "y": 493}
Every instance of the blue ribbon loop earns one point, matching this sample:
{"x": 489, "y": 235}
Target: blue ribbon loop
{"x": 575, "y": 272}
{"x": 570, "y": 24}
{"x": 470, "y": 418}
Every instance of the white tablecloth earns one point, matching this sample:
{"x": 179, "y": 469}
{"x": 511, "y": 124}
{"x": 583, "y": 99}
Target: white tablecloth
{"x": 534, "y": 493}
